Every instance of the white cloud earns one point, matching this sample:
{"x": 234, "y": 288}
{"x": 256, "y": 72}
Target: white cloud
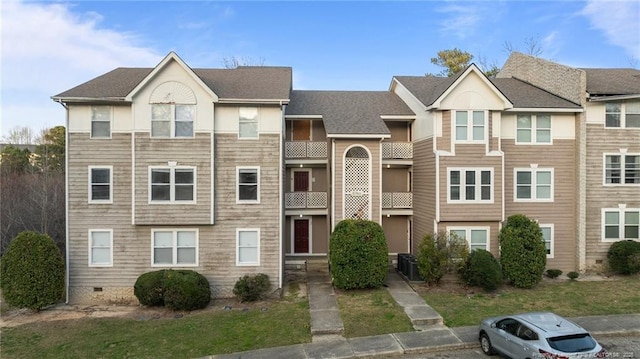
{"x": 465, "y": 17}
{"x": 47, "y": 49}
{"x": 619, "y": 20}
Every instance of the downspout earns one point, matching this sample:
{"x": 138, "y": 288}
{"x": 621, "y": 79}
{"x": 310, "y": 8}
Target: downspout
{"x": 333, "y": 174}
{"x": 66, "y": 201}
{"x": 282, "y": 219}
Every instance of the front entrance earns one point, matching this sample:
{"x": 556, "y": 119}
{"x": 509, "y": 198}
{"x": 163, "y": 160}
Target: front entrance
{"x": 301, "y": 181}
{"x": 301, "y": 235}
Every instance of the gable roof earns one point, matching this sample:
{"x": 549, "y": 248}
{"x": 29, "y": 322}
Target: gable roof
{"x": 609, "y": 82}
{"x": 347, "y": 113}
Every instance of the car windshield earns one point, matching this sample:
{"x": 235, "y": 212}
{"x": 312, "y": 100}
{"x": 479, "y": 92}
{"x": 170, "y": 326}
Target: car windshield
{"x": 572, "y": 343}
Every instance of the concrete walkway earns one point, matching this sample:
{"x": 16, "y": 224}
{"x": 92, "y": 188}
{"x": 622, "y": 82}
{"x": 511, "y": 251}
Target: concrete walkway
{"x": 326, "y": 323}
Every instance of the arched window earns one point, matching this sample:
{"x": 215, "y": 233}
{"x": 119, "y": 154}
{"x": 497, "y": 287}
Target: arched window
{"x": 173, "y": 110}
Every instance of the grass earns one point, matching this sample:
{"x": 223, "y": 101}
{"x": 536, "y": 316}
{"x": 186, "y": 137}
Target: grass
{"x": 371, "y": 312}
{"x": 566, "y": 298}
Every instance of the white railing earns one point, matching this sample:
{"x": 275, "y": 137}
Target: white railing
{"x": 305, "y": 149}
{"x": 306, "y": 200}
{"x": 397, "y": 200}
{"x": 397, "y": 150}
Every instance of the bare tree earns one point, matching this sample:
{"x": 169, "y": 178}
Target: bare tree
{"x": 532, "y": 46}
{"x": 234, "y": 62}
{"x": 20, "y": 135}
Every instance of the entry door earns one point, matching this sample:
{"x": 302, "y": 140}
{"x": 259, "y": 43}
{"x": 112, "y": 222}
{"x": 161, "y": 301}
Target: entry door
{"x": 300, "y": 181}
{"x": 301, "y": 130}
{"x": 301, "y": 235}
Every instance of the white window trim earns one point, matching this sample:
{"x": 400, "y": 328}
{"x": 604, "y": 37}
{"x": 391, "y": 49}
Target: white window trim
{"x": 534, "y": 131}
{"x": 468, "y": 230}
{"x": 90, "y": 183}
{"x": 257, "y": 136}
{"x": 172, "y": 121}
{"x": 552, "y": 239}
{"x": 252, "y": 201}
{"x": 174, "y": 247}
{"x": 623, "y": 116}
{"x": 110, "y": 124}
{"x": 172, "y": 184}
{"x": 90, "y": 252}
{"x": 621, "y": 211}
{"x": 622, "y": 169}
{"x": 478, "y": 185}
{"x": 534, "y": 191}
{"x": 470, "y": 127}
{"x": 247, "y": 264}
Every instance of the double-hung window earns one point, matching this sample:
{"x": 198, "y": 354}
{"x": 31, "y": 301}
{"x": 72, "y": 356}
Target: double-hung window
{"x": 475, "y": 237}
{"x": 533, "y": 129}
{"x": 620, "y": 224}
{"x": 470, "y": 126}
{"x": 100, "y": 184}
{"x": 100, "y": 122}
{"x": 248, "y": 179}
{"x": 533, "y": 184}
{"x": 171, "y": 120}
{"x": 547, "y": 237}
{"x": 172, "y": 184}
{"x": 100, "y": 248}
{"x": 470, "y": 185}
{"x": 177, "y": 247}
{"x": 248, "y": 123}
{"x": 622, "y": 114}
{"x": 622, "y": 169}
{"x": 248, "y": 247}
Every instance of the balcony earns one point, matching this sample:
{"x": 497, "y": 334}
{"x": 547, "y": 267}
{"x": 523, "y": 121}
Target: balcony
{"x": 305, "y": 152}
{"x": 397, "y": 150}
{"x": 398, "y": 203}
{"x": 306, "y": 202}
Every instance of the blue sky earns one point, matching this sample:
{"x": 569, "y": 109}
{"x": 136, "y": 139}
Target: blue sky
{"x": 49, "y": 47}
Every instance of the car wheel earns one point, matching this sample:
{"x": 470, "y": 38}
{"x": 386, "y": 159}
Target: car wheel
{"x": 485, "y": 344}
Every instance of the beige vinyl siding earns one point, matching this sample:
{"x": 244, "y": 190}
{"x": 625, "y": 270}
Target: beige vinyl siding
{"x": 494, "y": 136}
{"x": 494, "y": 232}
{"x": 399, "y": 131}
{"x": 424, "y": 190}
{"x": 444, "y": 142}
{"x": 561, "y": 157}
{"x": 395, "y": 180}
{"x": 598, "y": 196}
{"x": 194, "y": 152}
{"x": 471, "y": 157}
{"x": 396, "y": 230}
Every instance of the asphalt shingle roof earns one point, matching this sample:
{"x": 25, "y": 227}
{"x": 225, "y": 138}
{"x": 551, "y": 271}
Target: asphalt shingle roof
{"x": 349, "y": 112}
{"x": 602, "y": 82}
{"x": 245, "y": 82}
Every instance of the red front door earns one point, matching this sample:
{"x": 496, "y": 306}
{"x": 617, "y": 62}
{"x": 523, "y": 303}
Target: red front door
{"x": 300, "y": 181}
{"x": 300, "y": 236}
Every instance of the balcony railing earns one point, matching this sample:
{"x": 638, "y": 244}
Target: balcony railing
{"x": 306, "y": 149}
{"x": 306, "y": 200}
{"x": 392, "y": 200}
{"x": 397, "y": 150}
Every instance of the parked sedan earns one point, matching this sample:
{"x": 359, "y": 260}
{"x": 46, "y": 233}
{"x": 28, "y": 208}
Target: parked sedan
{"x": 537, "y": 335}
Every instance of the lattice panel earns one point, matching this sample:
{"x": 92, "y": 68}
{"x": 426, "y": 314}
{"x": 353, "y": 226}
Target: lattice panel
{"x": 317, "y": 199}
{"x": 295, "y": 150}
{"x": 317, "y": 149}
{"x": 397, "y": 150}
{"x": 402, "y": 200}
{"x": 387, "y": 200}
{"x": 295, "y": 200}
{"x": 356, "y": 184}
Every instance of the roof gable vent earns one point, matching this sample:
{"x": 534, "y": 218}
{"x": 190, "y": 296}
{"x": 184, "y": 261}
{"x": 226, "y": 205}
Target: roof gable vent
{"x": 173, "y": 92}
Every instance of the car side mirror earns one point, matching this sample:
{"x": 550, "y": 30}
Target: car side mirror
{"x": 493, "y": 325}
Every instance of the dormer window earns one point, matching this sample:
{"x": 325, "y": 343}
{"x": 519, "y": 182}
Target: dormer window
{"x": 470, "y": 126}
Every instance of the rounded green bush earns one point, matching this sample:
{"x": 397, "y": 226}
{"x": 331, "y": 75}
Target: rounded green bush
{"x": 523, "y": 255}
{"x": 252, "y": 287}
{"x": 481, "y": 269}
{"x": 439, "y": 254}
{"x": 186, "y": 290}
{"x": 358, "y": 255}
{"x": 624, "y": 257}
{"x": 32, "y": 272}
{"x": 149, "y": 288}
{"x": 553, "y": 273}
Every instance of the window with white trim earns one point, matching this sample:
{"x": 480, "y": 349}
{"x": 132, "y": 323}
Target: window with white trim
{"x": 247, "y": 246}
{"x": 172, "y": 120}
{"x": 248, "y": 184}
{"x": 622, "y": 169}
{"x": 100, "y": 248}
{"x": 100, "y": 184}
{"x": 176, "y": 247}
{"x": 620, "y": 224}
{"x": 172, "y": 184}
{"x": 622, "y": 114}
{"x": 470, "y": 185}
{"x": 248, "y": 123}
{"x": 470, "y": 126}
{"x": 547, "y": 237}
{"x": 533, "y": 129}
{"x": 475, "y": 237}
{"x": 533, "y": 184}
{"x": 100, "y": 121}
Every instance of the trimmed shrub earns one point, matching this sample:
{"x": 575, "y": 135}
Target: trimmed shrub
{"x": 439, "y": 254}
{"x": 149, "y": 288}
{"x": 523, "y": 254}
{"x": 175, "y": 289}
{"x": 358, "y": 255}
{"x": 252, "y": 287}
{"x": 32, "y": 272}
{"x": 186, "y": 290}
{"x": 573, "y": 275}
{"x": 624, "y": 257}
{"x": 481, "y": 269}
{"x": 553, "y": 273}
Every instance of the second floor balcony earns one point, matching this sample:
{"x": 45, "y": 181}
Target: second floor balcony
{"x": 306, "y": 151}
{"x": 306, "y": 200}
{"x": 402, "y": 151}
{"x": 397, "y": 200}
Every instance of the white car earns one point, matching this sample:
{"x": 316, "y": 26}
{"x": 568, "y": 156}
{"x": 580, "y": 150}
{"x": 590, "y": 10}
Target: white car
{"x": 537, "y": 335}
